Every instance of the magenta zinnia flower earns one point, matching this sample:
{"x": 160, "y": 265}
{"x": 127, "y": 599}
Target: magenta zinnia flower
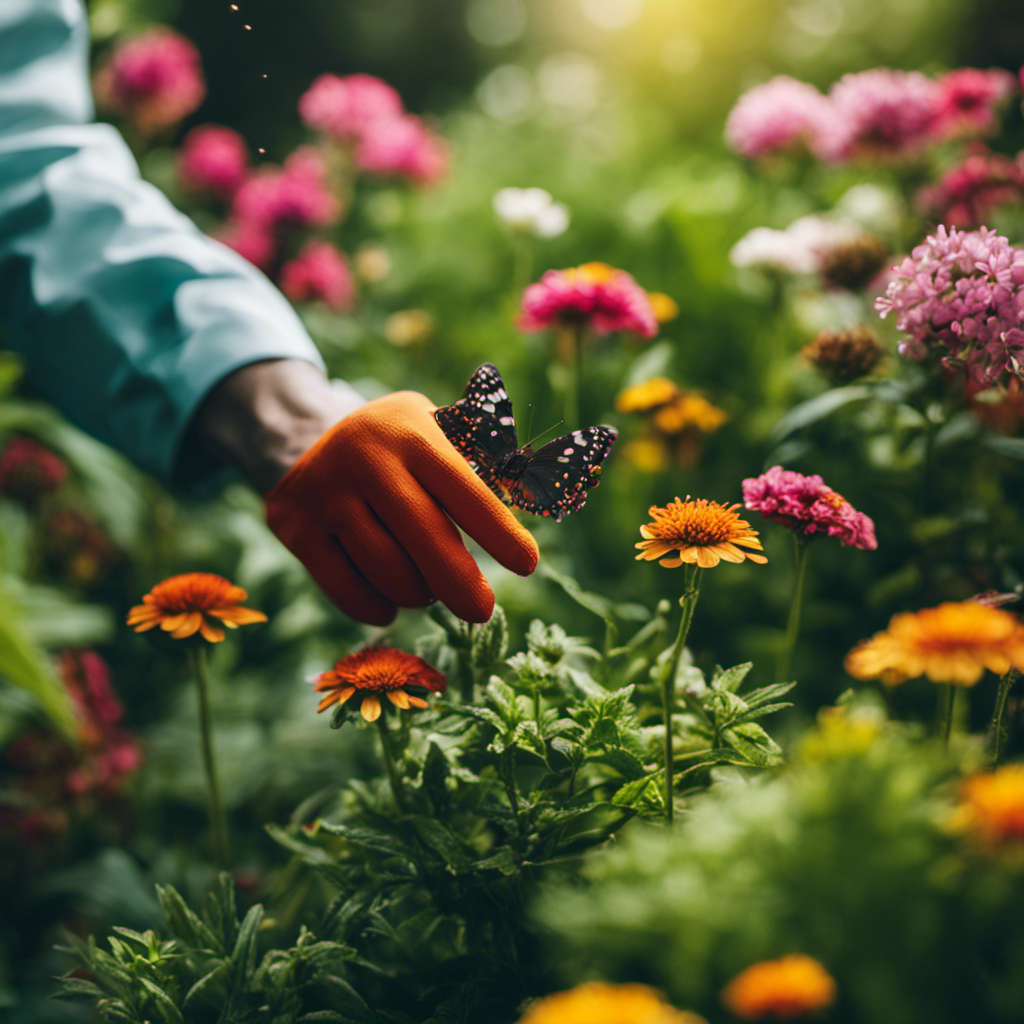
{"x": 155, "y": 80}
{"x": 960, "y": 294}
{"x": 879, "y": 114}
{"x": 968, "y": 99}
{"x": 592, "y": 295}
{"x": 345, "y": 108}
{"x": 213, "y": 159}
{"x": 777, "y": 115}
{"x": 402, "y": 147}
{"x": 296, "y": 195}
{"x": 805, "y": 505}
{"x": 968, "y": 193}
{"x": 319, "y": 272}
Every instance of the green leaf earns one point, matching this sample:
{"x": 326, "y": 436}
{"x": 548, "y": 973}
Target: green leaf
{"x": 369, "y": 839}
{"x": 165, "y": 1005}
{"x": 73, "y": 987}
{"x": 23, "y": 665}
{"x": 442, "y": 841}
{"x": 212, "y": 988}
{"x": 626, "y": 763}
{"x": 754, "y": 713}
{"x": 731, "y": 678}
{"x": 754, "y": 744}
{"x": 502, "y": 860}
{"x": 634, "y": 793}
{"x": 490, "y": 641}
{"x": 244, "y": 953}
{"x": 756, "y": 698}
{"x": 184, "y": 923}
{"x": 818, "y": 408}
{"x": 1011, "y": 447}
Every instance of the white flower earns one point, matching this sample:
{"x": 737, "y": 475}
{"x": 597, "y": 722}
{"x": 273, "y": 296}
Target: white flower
{"x": 532, "y": 211}
{"x": 797, "y": 250}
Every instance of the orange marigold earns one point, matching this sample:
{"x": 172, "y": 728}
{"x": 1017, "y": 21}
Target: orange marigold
{"x": 702, "y": 532}
{"x": 689, "y": 409}
{"x": 376, "y": 671}
{"x": 953, "y": 643}
{"x": 991, "y": 807}
{"x": 182, "y": 606}
{"x": 651, "y": 394}
{"x": 784, "y": 988}
{"x": 597, "y": 1002}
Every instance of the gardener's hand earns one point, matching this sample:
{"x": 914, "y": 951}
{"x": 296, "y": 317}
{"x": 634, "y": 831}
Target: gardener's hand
{"x": 371, "y": 507}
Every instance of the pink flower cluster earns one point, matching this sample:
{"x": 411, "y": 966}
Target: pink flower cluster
{"x": 154, "y": 80}
{"x": 321, "y": 272}
{"x": 594, "y": 295}
{"x": 367, "y": 116}
{"x": 805, "y": 505}
{"x": 967, "y": 194}
{"x": 877, "y": 114}
{"x": 961, "y": 294}
{"x": 213, "y": 160}
{"x": 29, "y": 471}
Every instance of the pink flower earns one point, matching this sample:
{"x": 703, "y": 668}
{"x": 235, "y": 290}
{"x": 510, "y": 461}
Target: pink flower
{"x": 593, "y": 295}
{"x": 29, "y": 470}
{"x": 155, "y": 80}
{"x": 296, "y": 195}
{"x": 966, "y": 194}
{"x": 960, "y": 294}
{"x": 345, "y": 108}
{"x": 213, "y": 159}
{"x": 253, "y": 240}
{"x": 805, "y": 505}
{"x": 879, "y": 114}
{"x": 779, "y": 114}
{"x": 87, "y": 678}
{"x": 319, "y": 272}
{"x": 967, "y": 101}
{"x": 402, "y": 147}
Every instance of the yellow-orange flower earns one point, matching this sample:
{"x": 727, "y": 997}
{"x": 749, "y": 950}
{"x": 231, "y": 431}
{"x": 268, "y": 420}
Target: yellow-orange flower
{"x": 702, "y": 532}
{"x": 689, "y": 409}
{"x": 665, "y": 307}
{"x": 953, "y": 643}
{"x": 784, "y": 988}
{"x": 651, "y": 394}
{"x": 842, "y": 732}
{"x": 183, "y": 606}
{"x": 375, "y": 672}
{"x": 647, "y": 454}
{"x": 597, "y": 1002}
{"x": 991, "y": 807}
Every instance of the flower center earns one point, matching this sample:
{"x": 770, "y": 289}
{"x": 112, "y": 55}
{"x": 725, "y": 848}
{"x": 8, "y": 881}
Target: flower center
{"x": 694, "y": 523}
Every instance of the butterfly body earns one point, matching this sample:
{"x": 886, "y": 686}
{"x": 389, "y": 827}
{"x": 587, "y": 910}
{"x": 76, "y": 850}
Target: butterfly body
{"x": 550, "y": 481}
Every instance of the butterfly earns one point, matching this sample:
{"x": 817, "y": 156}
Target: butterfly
{"x": 552, "y": 481}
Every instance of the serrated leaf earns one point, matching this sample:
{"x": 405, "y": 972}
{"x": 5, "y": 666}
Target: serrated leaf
{"x": 502, "y": 860}
{"x": 585, "y": 683}
{"x": 731, "y": 678}
{"x": 754, "y": 713}
{"x": 442, "y": 841}
{"x": 753, "y": 743}
{"x": 625, "y": 762}
{"x": 764, "y": 694}
{"x": 528, "y": 737}
{"x": 70, "y": 987}
{"x": 633, "y": 793}
{"x": 369, "y": 839}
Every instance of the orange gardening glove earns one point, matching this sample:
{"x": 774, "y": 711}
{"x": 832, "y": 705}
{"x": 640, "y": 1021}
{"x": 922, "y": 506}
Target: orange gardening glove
{"x": 371, "y": 511}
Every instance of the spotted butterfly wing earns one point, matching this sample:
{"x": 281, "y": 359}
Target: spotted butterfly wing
{"x": 552, "y": 481}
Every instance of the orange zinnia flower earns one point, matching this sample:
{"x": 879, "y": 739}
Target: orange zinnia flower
{"x": 703, "y": 532}
{"x": 784, "y": 988}
{"x": 953, "y": 643}
{"x": 374, "y": 671}
{"x": 597, "y": 1002}
{"x": 181, "y": 606}
{"x": 991, "y": 807}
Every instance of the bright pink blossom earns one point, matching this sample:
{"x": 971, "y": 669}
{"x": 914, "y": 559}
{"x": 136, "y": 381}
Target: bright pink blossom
{"x": 251, "y": 239}
{"x": 402, "y": 147}
{"x": 214, "y": 160}
{"x": 296, "y": 195}
{"x": 779, "y": 114}
{"x": 805, "y": 505}
{"x": 155, "y": 80}
{"x": 346, "y": 108}
{"x": 319, "y": 272}
{"x": 961, "y": 294}
{"x": 593, "y": 295}
{"x": 29, "y": 470}
{"x": 968, "y": 100}
{"x": 879, "y": 114}
{"x": 967, "y": 194}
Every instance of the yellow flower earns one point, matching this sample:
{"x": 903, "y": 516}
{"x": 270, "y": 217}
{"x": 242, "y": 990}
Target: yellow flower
{"x": 991, "y": 807}
{"x": 703, "y": 532}
{"x": 595, "y": 273}
{"x": 376, "y": 671}
{"x": 689, "y": 409}
{"x": 648, "y": 454}
{"x": 182, "y": 605}
{"x": 597, "y": 1002}
{"x": 953, "y": 643}
{"x": 842, "y": 732}
{"x": 651, "y": 394}
{"x": 665, "y": 307}
{"x": 784, "y": 988}
{"x": 408, "y": 327}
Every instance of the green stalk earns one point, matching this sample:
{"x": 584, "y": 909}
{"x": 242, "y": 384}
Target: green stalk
{"x": 668, "y": 679}
{"x": 998, "y": 729}
{"x": 947, "y": 697}
{"x": 795, "y": 607}
{"x": 574, "y": 377}
{"x": 218, "y": 822}
{"x": 389, "y": 763}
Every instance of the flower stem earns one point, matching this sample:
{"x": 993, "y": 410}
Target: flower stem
{"x": 574, "y": 377}
{"x": 389, "y": 763}
{"x": 947, "y": 697}
{"x": 795, "y": 606}
{"x": 668, "y": 679}
{"x": 218, "y": 822}
{"x": 998, "y": 729}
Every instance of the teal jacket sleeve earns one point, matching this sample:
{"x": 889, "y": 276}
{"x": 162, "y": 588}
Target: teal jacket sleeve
{"x": 123, "y": 311}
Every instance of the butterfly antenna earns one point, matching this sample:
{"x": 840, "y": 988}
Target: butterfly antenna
{"x": 529, "y": 425}
{"x": 550, "y": 429}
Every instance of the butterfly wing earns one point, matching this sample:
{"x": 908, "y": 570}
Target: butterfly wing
{"x": 557, "y": 476}
{"x": 481, "y": 425}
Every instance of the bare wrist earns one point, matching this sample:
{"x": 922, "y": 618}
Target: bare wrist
{"x": 263, "y": 416}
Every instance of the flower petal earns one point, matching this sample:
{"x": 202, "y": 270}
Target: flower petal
{"x": 371, "y": 708}
{"x": 209, "y": 631}
{"x": 399, "y": 698}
